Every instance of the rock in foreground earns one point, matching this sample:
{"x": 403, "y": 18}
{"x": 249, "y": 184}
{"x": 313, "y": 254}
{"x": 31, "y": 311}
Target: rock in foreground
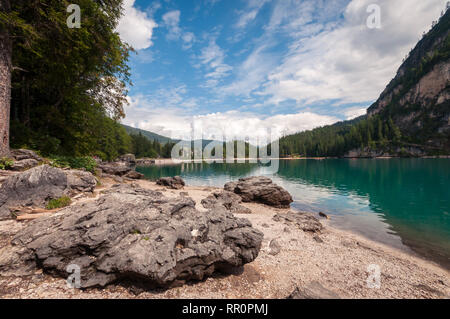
{"x": 171, "y": 182}
{"x": 38, "y": 185}
{"x": 228, "y": 200}
{"x": 304, "y": 221}
{"x": 260, "y": 189}
{"x": 135, "y": 235}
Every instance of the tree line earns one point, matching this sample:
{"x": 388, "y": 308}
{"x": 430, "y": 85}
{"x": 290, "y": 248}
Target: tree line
{"x": 338, "y": 139}
{"x": 63, "y": 90}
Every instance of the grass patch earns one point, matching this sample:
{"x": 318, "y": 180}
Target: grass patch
{"x": 87, "y": 162}
{"x": 58, "y": 203}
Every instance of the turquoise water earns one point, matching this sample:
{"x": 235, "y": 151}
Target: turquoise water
{"x": 401, "y": 202}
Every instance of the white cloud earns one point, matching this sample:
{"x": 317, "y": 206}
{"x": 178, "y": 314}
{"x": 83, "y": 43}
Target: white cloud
{"x": 136, "y": 27}
{"x": 354, "y": 112}
{"x": 173, "y": 121}
{"x": 212, "y": 56}
{"x": 171, "y": 20}
{"x": 349, "y": 62}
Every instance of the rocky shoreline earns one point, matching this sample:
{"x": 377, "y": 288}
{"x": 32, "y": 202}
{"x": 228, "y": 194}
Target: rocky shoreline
{"x": 141, "y": 239}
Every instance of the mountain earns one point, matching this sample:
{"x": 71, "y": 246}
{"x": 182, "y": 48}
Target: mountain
{"x": 150, "y": 135}
{"x": 418, "y": 98}
{"x": 410, "y": 118}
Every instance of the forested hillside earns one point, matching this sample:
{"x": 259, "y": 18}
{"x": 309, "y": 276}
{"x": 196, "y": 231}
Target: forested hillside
{"x": 68, "y": 86}
{"x": 410, "y": 118}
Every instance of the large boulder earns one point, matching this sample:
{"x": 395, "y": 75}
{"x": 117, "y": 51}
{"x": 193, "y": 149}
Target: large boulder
{"x": 36, "y": 186}
{"x": 135, "y": 235}
{"x": 231, "y": 202}
{"x": 260, "y": 189}
{"x": 171, "y": 182}
{"x": 116, "y": 168}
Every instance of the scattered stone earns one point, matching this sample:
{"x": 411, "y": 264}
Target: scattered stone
{"x": 324, "y": 215}
{"x": 171, "y": 182}
{"x": 36, "y": 186}
{"x": 313, "y": 290}
{"x": 305, "y": 221}
{"x": 274, "y": 247}
{"x": 265, "y": 225}
{"x": 286, "y": 230}
{"x": 184, "y": 194}
{"x": 226, "y": 199}
{"x": 260, "y": 189}
{"x": 134, "y": 235}
{"x": 318, "y": 239}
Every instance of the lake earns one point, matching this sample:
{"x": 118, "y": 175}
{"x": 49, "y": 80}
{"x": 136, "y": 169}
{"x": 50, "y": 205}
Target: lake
{"x": 404, "y": 203}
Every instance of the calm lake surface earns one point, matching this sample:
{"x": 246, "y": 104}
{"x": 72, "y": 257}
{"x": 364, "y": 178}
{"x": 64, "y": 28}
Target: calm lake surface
{"x": 401, "y": 202}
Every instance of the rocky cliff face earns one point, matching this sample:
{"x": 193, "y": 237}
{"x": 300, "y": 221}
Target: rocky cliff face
{"x": 418, "y": 98}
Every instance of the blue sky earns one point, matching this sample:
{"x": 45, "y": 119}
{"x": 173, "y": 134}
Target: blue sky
{"x": 243, "y": 67}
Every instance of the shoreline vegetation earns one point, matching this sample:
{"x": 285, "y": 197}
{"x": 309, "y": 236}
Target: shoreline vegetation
{"x": 331, "y": 263}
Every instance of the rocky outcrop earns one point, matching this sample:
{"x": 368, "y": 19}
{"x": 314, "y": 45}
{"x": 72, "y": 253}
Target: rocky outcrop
{"x": 134, "y": 175}
{"x": 262, "y": 190}
{"x": 23, "y": 154}
{"x": 36, "y": 186}
{"x": 231, "y": 202}
{"x": 171, "y": 182}
{"x": 24, "y": 159}
{"x": 134, "y": 235}
{"x": 418, "y": 98}
{"x": 304, "y": 221}
{"x": 115, "y": 168}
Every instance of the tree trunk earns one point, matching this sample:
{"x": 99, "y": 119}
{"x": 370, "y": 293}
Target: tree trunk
{"x": 5, "y": 82}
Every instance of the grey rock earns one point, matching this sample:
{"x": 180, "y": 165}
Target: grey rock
{"x": 116, "y": 168}
{"x": 260, "y": 189}
{"x": 132, "y": 234}
{"x": 314, "y": 290}
{"x": 226, "y": 199}
{"x": 171, "y": 182}
{"x": 305, "y": 221}
{"x": 24, "y": 164}
{"x": 23, "y": 154}
{"x": 274, "y": 247}
{"x": 38, "y": 185}
{"x": 318, "y": 239}
{"x": 134, "y": 175}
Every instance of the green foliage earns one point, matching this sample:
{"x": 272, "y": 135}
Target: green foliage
{"x": 59, "y": 202}
{"x": 336, "y": 140}
{"x": 69, "y": 85}
{"x": 87, "y": 162}
{"x": 6, "y": 163}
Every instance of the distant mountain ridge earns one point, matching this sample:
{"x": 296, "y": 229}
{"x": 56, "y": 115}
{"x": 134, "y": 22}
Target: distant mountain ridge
{"x": 150, "y": 135}
{"x": 410, "y": 118}
{"x": 418, "y": 98}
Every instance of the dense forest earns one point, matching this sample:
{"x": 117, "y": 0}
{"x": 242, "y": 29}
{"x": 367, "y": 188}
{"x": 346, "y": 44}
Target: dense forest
{"x": 338, "y": 139}
{"x": 68, "y": 85}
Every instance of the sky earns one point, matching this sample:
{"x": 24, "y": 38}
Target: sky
{"x": 246, "y": 68}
